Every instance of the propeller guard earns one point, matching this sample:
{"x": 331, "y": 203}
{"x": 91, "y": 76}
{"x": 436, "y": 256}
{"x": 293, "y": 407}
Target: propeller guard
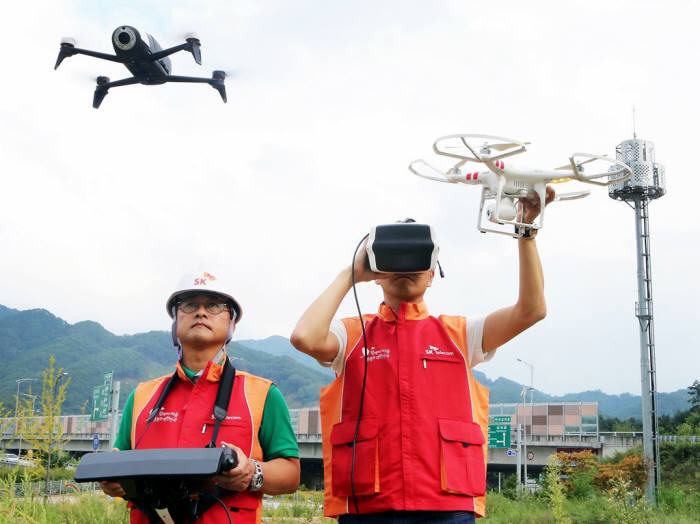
{"x": 579, "y": 175}
{"x": 470, "y": 150}
{"x": 422, "y": 169}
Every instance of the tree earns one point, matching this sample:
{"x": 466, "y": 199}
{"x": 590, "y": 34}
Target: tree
{"x": 694, "y": 392}
{"x": 46, "y": 433}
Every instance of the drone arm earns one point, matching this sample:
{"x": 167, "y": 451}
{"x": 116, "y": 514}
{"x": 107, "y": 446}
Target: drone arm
{"x": 68, "y": 50}
{"x": 192, "y": 45}
{"x": 216, "y": 81}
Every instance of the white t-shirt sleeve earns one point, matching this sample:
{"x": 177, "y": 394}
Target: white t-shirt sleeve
{"x": 338, "y": 329}
{"x": 475, "y": 335}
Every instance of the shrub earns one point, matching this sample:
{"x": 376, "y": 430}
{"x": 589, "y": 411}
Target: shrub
{"x": 633, "y": 470}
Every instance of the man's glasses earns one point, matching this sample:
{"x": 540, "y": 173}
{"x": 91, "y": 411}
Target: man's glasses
{"x": 211, "y": 307}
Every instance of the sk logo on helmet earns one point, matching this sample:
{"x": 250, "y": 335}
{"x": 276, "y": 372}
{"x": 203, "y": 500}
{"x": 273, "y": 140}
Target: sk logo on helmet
{"x": 203, "y": 281}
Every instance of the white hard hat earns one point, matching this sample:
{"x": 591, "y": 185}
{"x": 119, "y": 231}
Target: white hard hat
{"x": 203, "y": 282}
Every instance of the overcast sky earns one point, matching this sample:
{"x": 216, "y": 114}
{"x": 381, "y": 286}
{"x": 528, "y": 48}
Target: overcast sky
{"x": 102, "y": 211}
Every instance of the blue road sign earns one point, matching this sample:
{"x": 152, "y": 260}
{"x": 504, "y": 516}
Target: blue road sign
{"x": 95, "y": 442}
{"x": 511, "y": 452}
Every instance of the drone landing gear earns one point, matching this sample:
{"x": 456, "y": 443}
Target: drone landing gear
{"x": 103, "y": 85}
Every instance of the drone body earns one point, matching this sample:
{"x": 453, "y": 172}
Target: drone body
{"x": 502, "y": 184}
{"x": 147, "y": 62}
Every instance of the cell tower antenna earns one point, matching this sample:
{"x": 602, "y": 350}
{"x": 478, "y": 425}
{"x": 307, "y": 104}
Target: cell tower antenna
{"x": 648, "y": 182}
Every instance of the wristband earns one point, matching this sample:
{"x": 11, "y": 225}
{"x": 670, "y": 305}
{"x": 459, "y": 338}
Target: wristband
{"x": 527, "y": 233}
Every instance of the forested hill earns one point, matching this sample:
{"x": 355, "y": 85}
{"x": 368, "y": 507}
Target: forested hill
{"x": 86, "y": 350}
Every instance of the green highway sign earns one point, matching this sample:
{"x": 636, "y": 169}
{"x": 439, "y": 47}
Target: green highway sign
{"x": 101, "y": 399}
{"x": 499, "y": 435}
{"x": 501, "y": 419}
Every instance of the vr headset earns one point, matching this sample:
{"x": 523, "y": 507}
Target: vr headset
{"x": 404, "y": 247}
{"x": 167, "y": 485}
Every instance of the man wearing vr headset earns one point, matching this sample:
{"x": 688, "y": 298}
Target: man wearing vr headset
{"x": 257, "y": 424}
{"x": 418, "y": 453}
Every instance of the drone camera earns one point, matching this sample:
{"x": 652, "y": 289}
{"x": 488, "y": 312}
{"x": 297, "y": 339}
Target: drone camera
{"x": 125, "y": 38}
{"x": 402, "y": 248}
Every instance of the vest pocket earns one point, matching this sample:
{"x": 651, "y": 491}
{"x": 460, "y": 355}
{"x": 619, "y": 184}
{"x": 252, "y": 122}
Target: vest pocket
{"x": 462, "y": 468}
{"x": 366, "y": 457}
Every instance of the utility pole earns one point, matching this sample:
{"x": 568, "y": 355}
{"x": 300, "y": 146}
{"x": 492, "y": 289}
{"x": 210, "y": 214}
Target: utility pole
{"x": 523, "y": 394}
{"x": 518, "y": 454}
{"x": 113, "y": 413}
{"x": 532, "y": 389}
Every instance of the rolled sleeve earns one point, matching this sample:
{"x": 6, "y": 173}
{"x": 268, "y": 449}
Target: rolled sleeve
{"x": 475, "y": 335}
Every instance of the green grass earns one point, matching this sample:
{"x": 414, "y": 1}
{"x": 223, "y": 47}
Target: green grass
{"x": 677, "y": 505}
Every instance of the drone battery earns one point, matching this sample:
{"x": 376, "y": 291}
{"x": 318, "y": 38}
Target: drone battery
{"x": 402, "y": 248}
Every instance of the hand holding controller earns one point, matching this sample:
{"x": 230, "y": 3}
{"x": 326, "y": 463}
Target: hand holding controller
{"x": 229, "y": 459}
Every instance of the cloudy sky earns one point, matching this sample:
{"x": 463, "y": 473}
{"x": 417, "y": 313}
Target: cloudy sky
{"x": 101, "y": 211}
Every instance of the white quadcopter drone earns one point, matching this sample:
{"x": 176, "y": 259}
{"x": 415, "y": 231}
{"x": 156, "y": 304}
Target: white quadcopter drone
{"x": 502, "y": 184}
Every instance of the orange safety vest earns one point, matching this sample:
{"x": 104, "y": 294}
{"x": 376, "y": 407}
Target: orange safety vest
{"x": 186, "y": 421}
{"x": 421, "y": 445}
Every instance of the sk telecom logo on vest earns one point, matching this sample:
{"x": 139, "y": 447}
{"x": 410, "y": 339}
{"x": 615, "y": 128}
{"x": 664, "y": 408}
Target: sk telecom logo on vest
{"x": 203, "y": 281}
{"x": 432, "y": 350}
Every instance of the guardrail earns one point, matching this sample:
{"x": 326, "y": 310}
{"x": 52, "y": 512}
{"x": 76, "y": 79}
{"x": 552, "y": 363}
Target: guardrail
{"x": 56, "y": 487}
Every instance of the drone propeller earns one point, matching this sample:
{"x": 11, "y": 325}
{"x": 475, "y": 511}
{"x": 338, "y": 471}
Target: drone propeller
{"x": 497, "y": 147}
{"x": 568, "y": 167}
{"x": 187, "y": 35}
{"x": 468, "y": 147}
{"x": 572, "y": 196}
{"x": 505, "y": 147}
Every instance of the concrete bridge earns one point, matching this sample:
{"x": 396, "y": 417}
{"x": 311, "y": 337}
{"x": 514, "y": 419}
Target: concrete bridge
{"x": 81, "y": 433}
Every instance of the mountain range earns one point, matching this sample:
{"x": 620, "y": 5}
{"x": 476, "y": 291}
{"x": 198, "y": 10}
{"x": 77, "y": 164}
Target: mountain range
{"x": 86, "y": 350}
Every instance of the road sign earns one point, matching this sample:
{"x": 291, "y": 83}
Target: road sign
{"x": 499, "y": 435}
{"x": 100, "y": 403}
{"x": 530, "y": 455}
{"x": 101, "y": 398}
{"x": 501, "y": 419}
{"x": 511, "y": 452}
{"x": 95, "y": 442}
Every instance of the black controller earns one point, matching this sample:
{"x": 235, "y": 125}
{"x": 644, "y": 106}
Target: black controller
{"x": 229, "y": 459}
{"x": 179, "y": 480}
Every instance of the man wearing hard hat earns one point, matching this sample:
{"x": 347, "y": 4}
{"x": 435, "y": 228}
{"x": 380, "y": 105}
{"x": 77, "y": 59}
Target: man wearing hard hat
{"x": 257, "y": 424}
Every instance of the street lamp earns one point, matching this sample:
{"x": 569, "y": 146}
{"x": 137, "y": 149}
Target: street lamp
{"x": 48, "y": 458}
{"x": 19, "y": 381}
{"x": 33, "y": 397}
{"x": 532, "y": 390}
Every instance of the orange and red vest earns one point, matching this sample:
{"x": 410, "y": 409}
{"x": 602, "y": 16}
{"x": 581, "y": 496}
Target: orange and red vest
{"x": 186, "y": 421}
{"x": 421, "y": 444}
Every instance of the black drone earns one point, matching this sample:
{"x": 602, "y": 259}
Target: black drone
{"x": 148, "y": 62}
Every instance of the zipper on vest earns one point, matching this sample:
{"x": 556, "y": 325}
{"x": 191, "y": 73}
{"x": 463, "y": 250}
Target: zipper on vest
{"x": 425, "y": 364}
{"x": 204, "y": 429}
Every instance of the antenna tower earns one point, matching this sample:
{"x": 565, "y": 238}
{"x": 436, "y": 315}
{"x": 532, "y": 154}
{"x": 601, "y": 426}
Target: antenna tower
{"x": 648, "y": 182}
